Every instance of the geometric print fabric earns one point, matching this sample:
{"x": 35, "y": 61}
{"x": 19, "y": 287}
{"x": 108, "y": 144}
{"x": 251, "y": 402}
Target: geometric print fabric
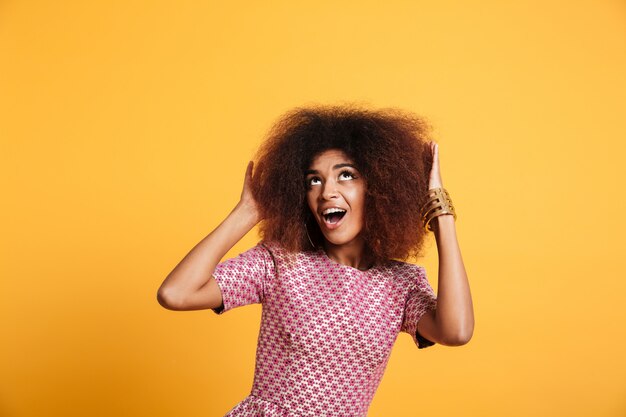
{"x": 327, "y": 329}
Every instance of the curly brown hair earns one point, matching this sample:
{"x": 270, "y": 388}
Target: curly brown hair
{"x": 388, "y": 146}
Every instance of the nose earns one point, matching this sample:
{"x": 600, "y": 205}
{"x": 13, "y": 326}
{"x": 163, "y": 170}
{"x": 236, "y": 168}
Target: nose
{"x": 330, "y": 190}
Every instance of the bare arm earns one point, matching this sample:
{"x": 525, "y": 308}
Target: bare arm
{"x": 190, "y": 285}
{"x": 452, "y": 323}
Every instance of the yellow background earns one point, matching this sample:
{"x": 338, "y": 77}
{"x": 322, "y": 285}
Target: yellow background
{"x": 126, "y": 127}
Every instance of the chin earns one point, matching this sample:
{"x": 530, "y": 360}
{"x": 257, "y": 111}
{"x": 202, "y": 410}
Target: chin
{"x": 339, "y": 240}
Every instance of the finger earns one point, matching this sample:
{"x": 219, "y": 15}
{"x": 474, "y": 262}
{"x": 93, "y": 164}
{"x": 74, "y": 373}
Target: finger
{"x": 248, "y": 171}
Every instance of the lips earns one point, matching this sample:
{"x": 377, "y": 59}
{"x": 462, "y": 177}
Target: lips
{"x": 327, "y": 223}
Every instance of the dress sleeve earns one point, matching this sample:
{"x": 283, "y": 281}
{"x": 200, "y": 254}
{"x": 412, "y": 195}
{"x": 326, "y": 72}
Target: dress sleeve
{"x": 244, "y": 279}
{"x": 421, "y": 299}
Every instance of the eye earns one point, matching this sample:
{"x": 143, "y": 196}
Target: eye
{"x": 348, "y": 174}
{"x": 311, "y": 181}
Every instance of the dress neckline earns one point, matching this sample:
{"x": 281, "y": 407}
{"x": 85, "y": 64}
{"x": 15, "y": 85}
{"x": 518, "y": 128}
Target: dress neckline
{"x": 333, "y": 262}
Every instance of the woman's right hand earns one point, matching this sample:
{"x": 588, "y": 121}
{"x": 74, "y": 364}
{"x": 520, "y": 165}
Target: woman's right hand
{"x": 247, "y": 201}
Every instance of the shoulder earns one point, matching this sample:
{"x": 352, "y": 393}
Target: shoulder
{"x": 404, "y": 267}
{"x": 274, "y": 248}
{"x": 409, "y": 274}
{"x": 283, "y": 257}
{"x": 271, "y": 246}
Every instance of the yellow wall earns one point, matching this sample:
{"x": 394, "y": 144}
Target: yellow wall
{"x": 126, "y": 127}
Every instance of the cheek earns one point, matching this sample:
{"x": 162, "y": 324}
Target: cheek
{"x": 358, "y": 201}
{"x": 361, "y": 213}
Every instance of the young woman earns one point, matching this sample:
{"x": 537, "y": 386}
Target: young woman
{"x": 344, "y": 195}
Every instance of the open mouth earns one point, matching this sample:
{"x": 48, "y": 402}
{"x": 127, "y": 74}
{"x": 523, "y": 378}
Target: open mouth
{"x": 334, "y": 218}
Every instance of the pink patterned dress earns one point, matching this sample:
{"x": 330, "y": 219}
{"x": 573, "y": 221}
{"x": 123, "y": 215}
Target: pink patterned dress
{"x": 327, "y": 329}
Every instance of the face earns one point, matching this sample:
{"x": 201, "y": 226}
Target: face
{"x": 333, "y": 182}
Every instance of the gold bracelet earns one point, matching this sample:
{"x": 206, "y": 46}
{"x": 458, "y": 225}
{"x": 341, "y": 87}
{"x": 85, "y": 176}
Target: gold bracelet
{"x": 438, "y": 204}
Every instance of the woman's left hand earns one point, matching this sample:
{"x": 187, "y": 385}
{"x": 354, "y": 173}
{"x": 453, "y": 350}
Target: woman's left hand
{"x": 434, "y": 180}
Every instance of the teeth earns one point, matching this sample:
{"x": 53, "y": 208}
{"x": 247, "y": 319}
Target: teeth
{"x": 333, "y": 210}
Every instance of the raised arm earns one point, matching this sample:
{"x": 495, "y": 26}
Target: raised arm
{"x": 452, "y": 323}
{"x": 190, "y": 285}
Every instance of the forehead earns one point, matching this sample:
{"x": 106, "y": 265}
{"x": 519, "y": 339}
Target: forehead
{"x": 330, "y": 156}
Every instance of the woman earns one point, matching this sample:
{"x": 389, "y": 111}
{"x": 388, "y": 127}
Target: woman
{"x": 344, "y": 196}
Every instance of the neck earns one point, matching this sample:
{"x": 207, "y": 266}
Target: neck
{"x": 351, "y": 254}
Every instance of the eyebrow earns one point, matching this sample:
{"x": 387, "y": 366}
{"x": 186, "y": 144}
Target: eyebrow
{"x": 314, "y": 171}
